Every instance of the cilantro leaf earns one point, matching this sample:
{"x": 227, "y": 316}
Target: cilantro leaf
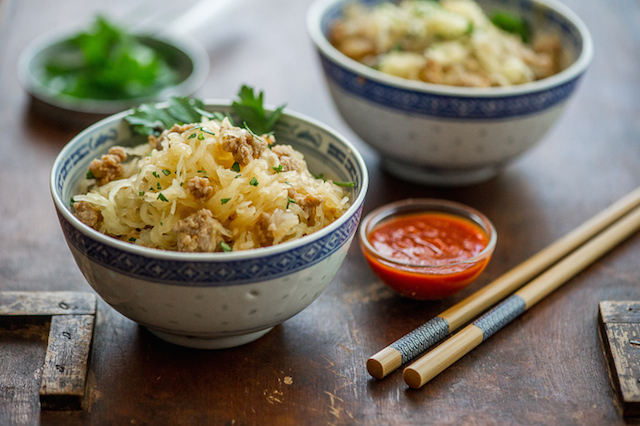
{"x": 513, "y": 24}
{"x": 149, "y": 120}
{"x": 250, "y": 109}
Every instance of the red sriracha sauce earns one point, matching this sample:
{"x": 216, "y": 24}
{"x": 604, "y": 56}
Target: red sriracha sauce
{"x": 427, "y": 255}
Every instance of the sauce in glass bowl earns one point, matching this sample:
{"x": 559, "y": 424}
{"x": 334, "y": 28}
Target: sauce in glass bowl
{"x": 427, "y": 249}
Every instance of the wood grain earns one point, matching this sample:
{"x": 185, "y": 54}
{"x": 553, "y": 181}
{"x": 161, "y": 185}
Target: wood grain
{"x": 547, "y": 367}
{"x": 619, "y": 329}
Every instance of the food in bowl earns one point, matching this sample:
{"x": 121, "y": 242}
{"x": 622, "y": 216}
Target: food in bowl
{"x": 427, "y": 249}
{"x": 450, "y": 42}
{"x": 211, "y": 300}
{"x": 445, "y": 135}
{"x": 106, "y": 62}
{"x": 207, "y": 186}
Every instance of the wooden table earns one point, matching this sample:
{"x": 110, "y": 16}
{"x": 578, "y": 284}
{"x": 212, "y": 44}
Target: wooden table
{"x": 546, "y": 367}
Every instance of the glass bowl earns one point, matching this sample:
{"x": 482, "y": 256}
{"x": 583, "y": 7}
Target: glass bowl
{"x": 452, "y": 265}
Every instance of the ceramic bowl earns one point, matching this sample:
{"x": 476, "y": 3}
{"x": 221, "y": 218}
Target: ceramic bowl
{"x": 187, "y": 57}
{"x": 444, "y": 135}
{"x": 433, "y": 280}
{"x": 211, "y": 300}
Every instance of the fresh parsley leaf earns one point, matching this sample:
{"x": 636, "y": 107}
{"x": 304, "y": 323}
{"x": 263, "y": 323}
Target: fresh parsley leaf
{"x": 250, "y": 109}
{"x": 235, "y": 167}
{"x": 106, "y": 62}
{"x": 345, "y": 184}
{"x": 224, "y": 200}
{"x": 162, "y": 197}
{"x": 253, "y": 181}
{"x": 149, "y": 120}
{"x": 225, "y": 247}
{"x": 166, "y": 172}
{"x": 289, "y": 201}
{"x": 278, "y": 169}
{"x": 512, "y": 23}
{"x": 90, "y": 175}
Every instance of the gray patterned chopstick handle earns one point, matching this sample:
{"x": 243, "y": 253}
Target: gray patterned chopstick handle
{"x": 422, "y": 338}
{"x": 500, "y": 315}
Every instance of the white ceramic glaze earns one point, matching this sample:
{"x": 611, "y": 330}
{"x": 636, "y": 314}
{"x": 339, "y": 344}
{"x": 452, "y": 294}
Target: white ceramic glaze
{"x": 444, "y": 135}
{"x": 211, "y": 300}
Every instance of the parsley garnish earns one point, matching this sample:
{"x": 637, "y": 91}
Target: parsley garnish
{"x": 132, "y": 239}
{"x": 235, "y": 167}
{"x": 224, "y": 200}
{"x": 191, "y": 136}
{"x": 289, "y": 201}
{"x": 158, "y": 186}
{"x": 166, "y": 172}
{"x": 200, "y": 136}
{"x": 512, "y": 23}
{"x": 225, "y": 246}
{"x": 90, "y": 175}
{"x": 278, "y": 169}
{"x": 253, "y": 181}
{"x": 141, "y": 193}
{"x": 237, "y": 176}
{"x": 72, "y": 202}
{"x": 162, "y": 197}
{"x": 251, "y": 111}
{"x": 345, "y": 184}
{"x": 155, "y": 175}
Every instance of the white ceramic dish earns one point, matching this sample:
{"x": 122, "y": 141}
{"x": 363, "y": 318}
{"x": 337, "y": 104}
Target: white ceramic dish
{"x": 446, "y": 135}
{"x": 211, "y": 300}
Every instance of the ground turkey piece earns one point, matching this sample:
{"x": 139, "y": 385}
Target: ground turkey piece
{"x": 290, "y": 159}
{"x": 241, "y": 143}
{"x": 200, "y": 189}
{"x": 199, "y": 232}
{"x": 307, "y": 202}
{"x": 108, "y": 167}
{"x": 88, "y": 214}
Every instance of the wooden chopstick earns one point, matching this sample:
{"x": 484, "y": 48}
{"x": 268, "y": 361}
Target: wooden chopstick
{"x": 436, "y": 361}
{"x": 411, "y": 345}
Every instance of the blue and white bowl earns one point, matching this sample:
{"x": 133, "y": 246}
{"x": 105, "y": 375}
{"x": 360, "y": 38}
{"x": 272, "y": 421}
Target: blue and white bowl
{"x": 211, "y": 300}
{"x": 444, "y": 135}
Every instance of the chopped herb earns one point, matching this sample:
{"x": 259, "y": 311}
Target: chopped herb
{"x": 202, "y": 171}
{"x": 158, "y": 186}
{"x": 208, "y": 131}
{"x": 147, "y": 119}
{"x": 141, "y": 193}
{"x": 237, "y": 176}
{"x": 181, "y": 183}
{"x": 155, "y": 175}
{"x": 90, "y": 175}
{"x": 278, "y": 169}
{"x": 132, "y": 239}
{"x": 288, "y": 183}
{"x": 320, "y": 176}
{"x": 250, "y": 109}
{"x": 162, "y": 197}
{"x": 253, "y": 181}
{"x": 109, "y": 63}
{"x": 512, "y": 23}
{"x": 345, "y": 184}
{"x": 289, "y": 201}
{"x": 235, "y": 167}
{"x": 72, "y": 202}
{"x": 191, "y": 136}
{"x": 166, "y": 172}
{"x": 225, "y": 246}
{"x": 161, "y": 223}
{"x": 200, "y": 136}
{"x": 224, "y": 200}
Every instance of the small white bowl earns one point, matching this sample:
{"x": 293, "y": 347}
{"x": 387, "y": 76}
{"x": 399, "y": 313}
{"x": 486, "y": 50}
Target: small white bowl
{"x": 445, "y": 135}
{"x": 211, "y": 300}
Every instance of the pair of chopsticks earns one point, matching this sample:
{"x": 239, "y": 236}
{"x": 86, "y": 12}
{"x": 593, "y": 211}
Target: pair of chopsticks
{"x": 544, "y": 272}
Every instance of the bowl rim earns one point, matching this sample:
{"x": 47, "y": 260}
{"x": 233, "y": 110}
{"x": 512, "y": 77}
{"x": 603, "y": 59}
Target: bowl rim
{"x": 417, "y": 205}
{"x": 318, "y": 9}
{"x": 62, "y": 208}
{"x": 36, "y": 88}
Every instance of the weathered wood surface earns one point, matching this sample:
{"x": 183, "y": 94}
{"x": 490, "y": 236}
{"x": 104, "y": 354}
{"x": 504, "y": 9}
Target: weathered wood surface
{"x": 620, "y": 333}
{"x": 547, "y": 367}
{"x": 70, "y": 317}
